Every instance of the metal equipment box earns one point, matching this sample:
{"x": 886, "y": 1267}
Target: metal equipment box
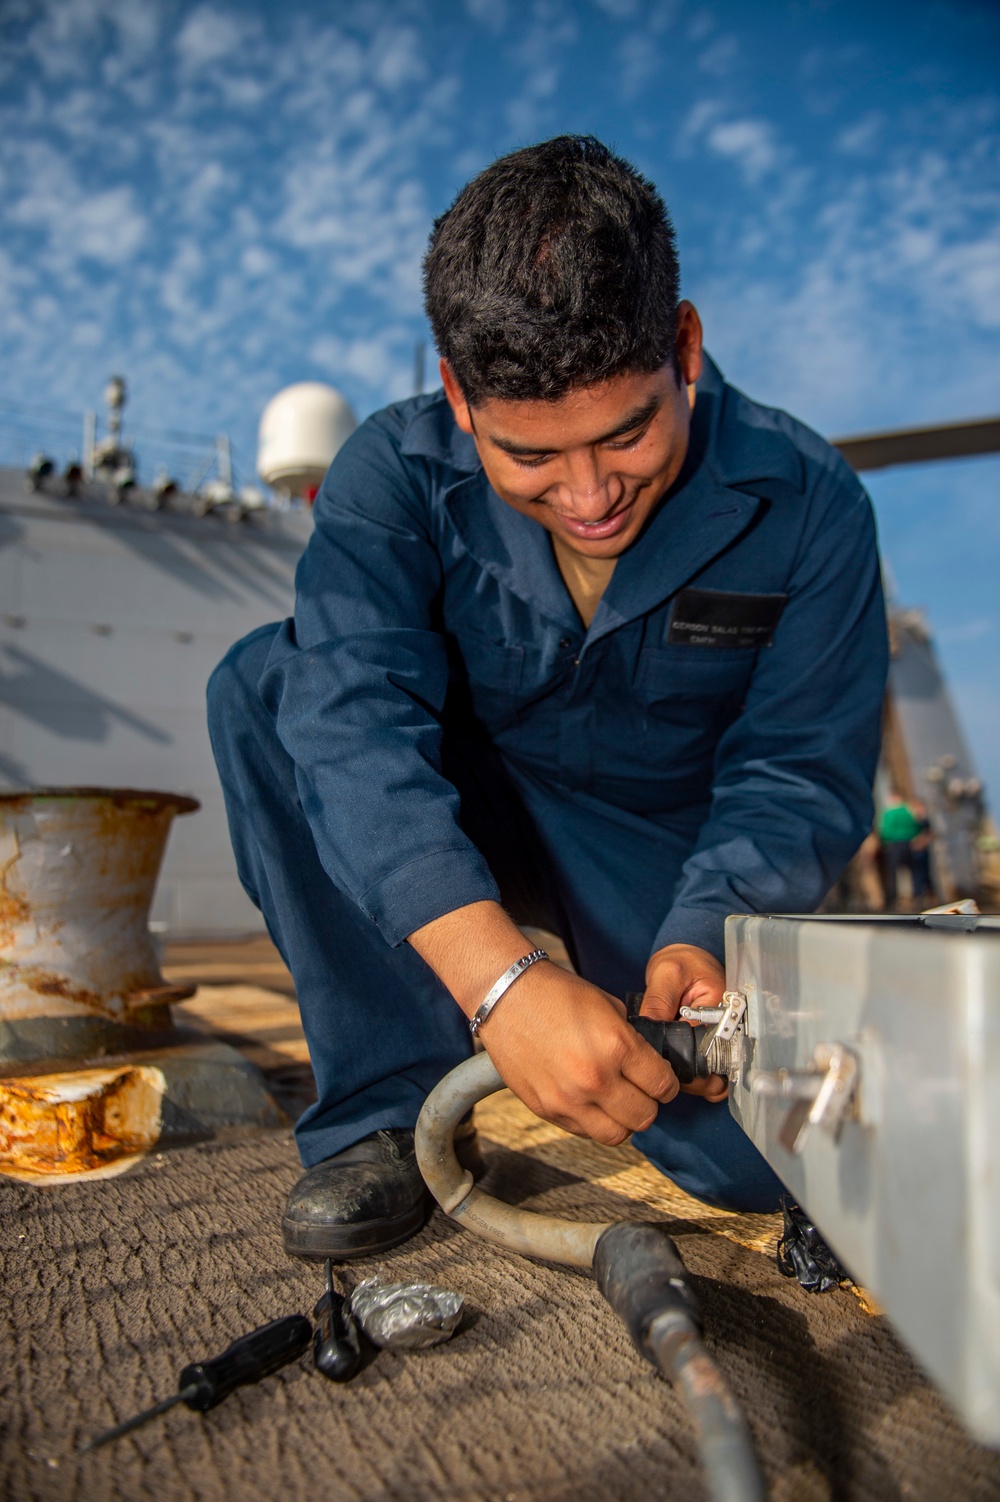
{"x": 902, "y": 1176}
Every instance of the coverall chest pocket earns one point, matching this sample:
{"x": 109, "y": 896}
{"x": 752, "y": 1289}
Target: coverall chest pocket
{"x": 676, "y": 674}
{"x": 492, "y": 677}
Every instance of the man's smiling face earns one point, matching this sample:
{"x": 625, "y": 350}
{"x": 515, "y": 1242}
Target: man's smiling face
{"x": 591, "y": 466}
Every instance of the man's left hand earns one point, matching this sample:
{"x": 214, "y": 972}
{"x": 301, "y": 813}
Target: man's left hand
{"x": 681, "y": 975}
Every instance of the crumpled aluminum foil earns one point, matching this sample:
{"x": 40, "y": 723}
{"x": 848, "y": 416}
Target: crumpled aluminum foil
{"x": 406, "y": 1316}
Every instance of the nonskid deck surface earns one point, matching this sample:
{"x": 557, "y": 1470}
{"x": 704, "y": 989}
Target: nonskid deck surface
{"x": 246, "y": 997}
{"x": 111, "y": 1287}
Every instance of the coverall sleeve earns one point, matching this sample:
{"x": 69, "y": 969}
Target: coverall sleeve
{"x": 356, "y": 684}
{"x": 792, "y": 788}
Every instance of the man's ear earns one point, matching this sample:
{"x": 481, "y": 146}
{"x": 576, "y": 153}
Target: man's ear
{"x": 457, "y": 402}
{"x": 689, "y": 338}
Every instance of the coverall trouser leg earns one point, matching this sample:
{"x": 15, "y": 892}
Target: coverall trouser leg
{"x": 381, "y": 1028}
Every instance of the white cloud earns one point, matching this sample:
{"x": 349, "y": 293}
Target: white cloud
{"x": 697, "y": 120}
{"x": 540, "y": 59}
{"x": 399, "y": 59}
{"x": 256, "y": 261}
{"x": 87, "y": 335}
{"x": 968, "y": 278}
{"x": 178, "y": 292}
{"x": 859, "y": 138}
{"x": 749, "y": 143}
{"x": 637, "y": 63}
{"x": 489, "y": 13}
{"x": 358, "y": 209}
{"x": 138, "y": 23}
{"x": 106, "y": 226}
{"x": 384, "y": 360}
{"x": 209, "y": 185}
{"x": 209, "y": 37}
{"x": 61, "y": 36}
{"x": 241, "y": 90}
{"x": 639, "y": 56}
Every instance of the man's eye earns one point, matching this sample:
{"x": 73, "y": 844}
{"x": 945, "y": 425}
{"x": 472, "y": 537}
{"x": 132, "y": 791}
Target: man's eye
{"x": 630, "y": 442}
{"x": 531, "y": 463}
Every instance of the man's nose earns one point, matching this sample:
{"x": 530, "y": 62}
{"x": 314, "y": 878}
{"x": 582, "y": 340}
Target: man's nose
{"x": 588, "y": 495}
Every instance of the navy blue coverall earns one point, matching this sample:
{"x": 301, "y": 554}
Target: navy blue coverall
{"x": 436, "y": 727}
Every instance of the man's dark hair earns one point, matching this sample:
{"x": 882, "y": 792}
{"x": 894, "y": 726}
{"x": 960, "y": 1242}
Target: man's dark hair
{"x": 555, "y": 268}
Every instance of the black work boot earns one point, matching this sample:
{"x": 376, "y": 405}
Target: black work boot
{"x": 365, "y": 1199}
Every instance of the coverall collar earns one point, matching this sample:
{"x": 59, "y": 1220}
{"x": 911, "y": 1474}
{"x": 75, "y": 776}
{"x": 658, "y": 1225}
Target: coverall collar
{"x": 732, "y": 463}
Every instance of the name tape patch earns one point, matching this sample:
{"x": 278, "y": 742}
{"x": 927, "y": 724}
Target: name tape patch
{"x": 716, "y": 618}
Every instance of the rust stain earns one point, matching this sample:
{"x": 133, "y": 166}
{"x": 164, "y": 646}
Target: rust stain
{"x": 44, "y": 983}
{"x": 19, "y": 802}
{"x": 58, "y": 985}
{"x": 67, "y": 1124}
{"x": 14, "y": 909}
{"x": 145, "y": 799}
{"x": 13, "y": 912}
{"x": 147, "y": 1006}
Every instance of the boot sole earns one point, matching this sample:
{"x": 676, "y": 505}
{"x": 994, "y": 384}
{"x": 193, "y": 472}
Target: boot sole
{"x": 349, "y": 1241}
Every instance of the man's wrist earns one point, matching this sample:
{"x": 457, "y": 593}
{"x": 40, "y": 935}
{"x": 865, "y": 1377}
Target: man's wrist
{"x": 469, "y": 949}
{"x": 500, "y": 987}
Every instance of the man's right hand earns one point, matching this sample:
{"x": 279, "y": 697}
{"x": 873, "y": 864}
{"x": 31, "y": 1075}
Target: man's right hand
{"x": 562, "y": 1045}
{"x": 565, "y": 1049}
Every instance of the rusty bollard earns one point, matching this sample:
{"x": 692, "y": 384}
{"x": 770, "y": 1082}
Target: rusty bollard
{"x": 78, "y": 869}
{"x": 83, "y": 1004}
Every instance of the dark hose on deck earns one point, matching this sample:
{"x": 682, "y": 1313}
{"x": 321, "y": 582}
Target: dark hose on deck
{"x": 727, "y": 1453}
{"x": 640, "y": 1272}
{"x": 638, "y": 1267}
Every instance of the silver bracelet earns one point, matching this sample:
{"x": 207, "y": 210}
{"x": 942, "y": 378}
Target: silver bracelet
{"x": 504, "y": 984}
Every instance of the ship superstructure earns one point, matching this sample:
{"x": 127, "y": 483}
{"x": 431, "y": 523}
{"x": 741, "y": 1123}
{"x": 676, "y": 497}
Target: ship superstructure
{"x": 117, "y": 600}
{"x": 115, "y": 609}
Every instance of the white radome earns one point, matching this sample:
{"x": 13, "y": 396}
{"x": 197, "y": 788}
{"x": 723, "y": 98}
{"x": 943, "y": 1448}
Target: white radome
{"x": 300, "y": 431}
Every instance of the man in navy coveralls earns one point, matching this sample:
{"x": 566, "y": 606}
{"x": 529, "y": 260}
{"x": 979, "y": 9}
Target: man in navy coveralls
{"x": 587, "y": 640}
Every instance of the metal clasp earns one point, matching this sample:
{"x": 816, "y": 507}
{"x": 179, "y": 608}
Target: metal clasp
{"x": 820, "y": 1096}
{"x": 727, "y": 1018}
{"x": 721, "y": 1044}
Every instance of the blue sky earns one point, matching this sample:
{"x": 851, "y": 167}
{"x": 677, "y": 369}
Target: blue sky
{"x": 217, "y": 199}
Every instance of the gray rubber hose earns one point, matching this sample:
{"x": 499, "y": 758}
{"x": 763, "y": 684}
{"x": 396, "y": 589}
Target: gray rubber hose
{"x": 639, "y": 1271}
{"x": 571, "y": 1242}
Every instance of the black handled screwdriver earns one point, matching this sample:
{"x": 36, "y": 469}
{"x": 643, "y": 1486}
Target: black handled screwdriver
{"x": 337, "y": 1342}
{"x": 203, "y": 1384}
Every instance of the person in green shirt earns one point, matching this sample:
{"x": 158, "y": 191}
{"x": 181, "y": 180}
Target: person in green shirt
{"x": 897, "y": 826}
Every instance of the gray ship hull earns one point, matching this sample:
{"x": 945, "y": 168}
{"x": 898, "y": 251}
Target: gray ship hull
{"x": 112, "y": 617}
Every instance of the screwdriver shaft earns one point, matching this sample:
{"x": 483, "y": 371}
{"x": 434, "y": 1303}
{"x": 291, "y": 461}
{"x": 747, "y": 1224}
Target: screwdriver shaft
{"x": 139, "y": 1418}
{"x": 203, "y": 1384}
